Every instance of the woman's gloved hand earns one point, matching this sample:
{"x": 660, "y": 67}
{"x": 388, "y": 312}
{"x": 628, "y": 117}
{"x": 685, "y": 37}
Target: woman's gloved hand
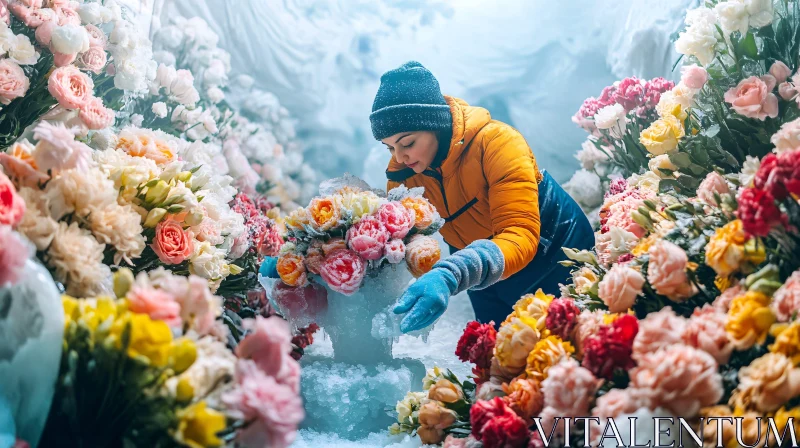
{"x": 269, "y": 267}
{"x": 477, "y": 266}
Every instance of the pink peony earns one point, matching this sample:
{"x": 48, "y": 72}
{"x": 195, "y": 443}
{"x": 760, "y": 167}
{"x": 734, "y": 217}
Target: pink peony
{"x": 44, "y": 33}
{"x": 395, "y": 251}
{"x": 267, "y": 343}
{"x": 723, "y": 302}
{"x": 780, "y": 71}
{"x": 753, "y": 97}
{"x": 713, "y": 183}
{"x": 13, "y": 82}
{"x": 367, "y": 238}
{"x": 680, "y": 378}
{"x": 694, "y": 76}
{"x": 343, "y": 270}
{"x": 273, "y": 410}
{"x": 569, "y": 388}
{"x": 658, "y": 330}
{"x": 70, "y": 87}
{"x": 667, "y": 271}
{"x": 63, "y": 59}
{"x": 12, "y": 206}
{"x": 156, "y": 303}
{"x": 13, "y": 255}
{"x": 397, "y": 219}
{"x": 97, "y": 38}
{"x": 786, "y": 300}
{"x": 620, "y": 287}
{"x": 95, "y": 115}
{"x": 705, "y": 330}
{"x": 93, "y": 60}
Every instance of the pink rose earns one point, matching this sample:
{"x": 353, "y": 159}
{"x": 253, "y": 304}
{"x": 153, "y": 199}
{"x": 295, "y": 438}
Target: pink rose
{"x": 705, "y": 330}
{"x": 34, "y": 18}
{"x": 172, "y": 244}
{"x": 70, "y": 87}
{"x": 95, "y": 115}
{"x": 723, "y": 302}
{"x": 63, "y": 60}
{"x": 5, "y": 16}
{"x": 395, "y": 251}
{"x": 786, "y": 300}
{"x": 158, "y": 304}
{"x": 780, "y": 71}
{"x": 68, "y": 16}
{"x": 13, "y": 82}
{"x": 93, "y": 60}
{"x": 97, "y": 38}
{"x": 367, "y": 238}
{"x": 44, "y": 33}
{"x": 694, "y": 76}
{"x": 569, "y": 388}
{"x": 343, "y": 270}
{"x": 13, "y": 255}
{"x": 753, "y": 97}
{"x": 619, "y": 288}
{"x": 397, "y": 219}
{"x": 12, "y": 207}
{"x": 267, "y": 342}
{"x": 680, "y": 378}
{"x": 274, "y": 410}
{"x": 667, "y": 271}
{"x": 713, "y": 183}
{"x": 658, "y": 330}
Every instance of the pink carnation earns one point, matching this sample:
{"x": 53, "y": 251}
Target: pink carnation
{"x": 617, "y": 186}
{"x": 70, "y": 87}
{"x": 343, "y": 270}
{"x": 753, "y": 97}
{"x": 658, "y": 330}
{"x": 694, "y": 76}
{"x": 397, "y": 219}
{"x": 95, "y": 115}
{"x": 588, "y": 324}
{"x": 267, "y": 342}
{"x": 158, "y": 304}
{"x": 667, "y": 271}
{"x": 618, "y": 402}
{"x": 367, "y": 238}
{"x": 620, "y": 287}
{"x": 13, "y": 82}
{"x": 713, "y": 183}
{"x": 13, "y": 255}
{"x": 786, "y": 300}
{"x": 395, "y": 251}
{"x": 199, "y": 305}
{"x": 12, "y": 206}
{"x": 630, "y": 93}
{"x": 5, "y": 16}
{"x": 680, "y": 378}
{"x": 705, "y": 330}
{"x": 655, "y": 87}
{"x": 569, "y": 388}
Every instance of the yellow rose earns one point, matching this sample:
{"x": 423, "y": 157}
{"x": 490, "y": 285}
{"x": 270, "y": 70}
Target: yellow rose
{"x": 182, "y": 355}
{"x": 445, "y": 391}
{"x": 198, "y": 426}
{"x": 325, "y": 212}
{"x": 755, "y": 252}
{"x": 675, "y": 103}
{"x": 534, "y": 307}
{"x": 296, "y": 219}
{"x": 515, "y": 340}
{"x": 725, "y": 250}
{"x": 644, "y": 245}
{"x": 787, "y": 340}
{"x": 662, "y": 136}
{"x": 150, "y": 340}
{"x": 359, "y": 204}
{"x": 547, "y": 353}
{"x": 184, "y": 391}
{"x": 749, "y": 320}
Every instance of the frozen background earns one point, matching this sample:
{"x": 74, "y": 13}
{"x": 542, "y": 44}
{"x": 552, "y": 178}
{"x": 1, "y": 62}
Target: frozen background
{"x": 530, "y": 62}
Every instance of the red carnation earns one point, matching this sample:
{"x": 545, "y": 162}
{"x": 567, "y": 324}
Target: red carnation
{"x": 476, "y": 345}
{"x": 505, "y": 431}
{"x": 758, "y": 211}
{"x": 611, "y": 347}
{"x": 561, "y": 317}
{"x": 484, "y": 410}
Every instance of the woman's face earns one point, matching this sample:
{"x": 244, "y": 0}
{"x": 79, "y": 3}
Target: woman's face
{"x": 414, "y": 149}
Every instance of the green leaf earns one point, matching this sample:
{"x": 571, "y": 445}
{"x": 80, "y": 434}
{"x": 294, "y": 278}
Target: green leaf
{"x": 711, "y": 131}
{"x": 747, "y": 47}
{"x": 680, "y": 159}
{"x": 688, "y": 182}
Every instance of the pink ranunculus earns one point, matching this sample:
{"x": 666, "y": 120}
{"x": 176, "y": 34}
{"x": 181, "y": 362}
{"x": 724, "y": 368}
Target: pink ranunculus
{"x": 569, "y": 388}
{"x": 13, "y": 82}
{"x": 44, "y": 33}
{"x": 667, "y": 271}
{"x": 12, "y": 206}
{"x": 713, "y": 183}
{"x": 397, "y": 219}
{"x": 705, "y": 330}
{"x": 158, "y": 304}
{"x": 395, "y": 251}
{"x": 780, "y": 71}
{"x": 723, "y": 302}
{"x": 267, "y": 343}
{"x": 70, "y": 87}
{"x": 97, "y": 38}
{"x": 658, "y": 330}
{"x": 172, "y": 244}
{"x": 95, "y": 115}
{"x": 620, "y": 287}
{"x": 753, "y": 97}
{"x": 13, "y": 254}
{"x": 367, "y": 238}
{"x": 786, "y": 300}
{"x": 62, "y": 59}
{"x": 93, "y": 60}
{"x": 343, "y": 270}
{"x": 679, "y": 378}
{"x": 694, "y": 76}
{"x": 273, "y": 410}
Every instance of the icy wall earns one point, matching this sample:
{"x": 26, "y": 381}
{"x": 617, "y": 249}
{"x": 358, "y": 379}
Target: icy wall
{"x": 530, "y": 62}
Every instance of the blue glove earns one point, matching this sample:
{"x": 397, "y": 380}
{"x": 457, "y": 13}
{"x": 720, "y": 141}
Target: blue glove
{"x": 477, "y": 266}
{"x": 269, "y": 267}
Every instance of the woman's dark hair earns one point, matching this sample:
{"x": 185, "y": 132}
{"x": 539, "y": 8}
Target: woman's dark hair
{"x": 443, "y": 137}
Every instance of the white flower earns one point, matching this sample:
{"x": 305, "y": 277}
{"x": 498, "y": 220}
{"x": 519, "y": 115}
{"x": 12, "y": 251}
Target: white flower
{"x": 590, "y": 156}
{"x": 36, "y": 224}
{"x": 661, "y": 161}
{"x": 216, "y": 74}
{"x": 21, "y": 50}
{"x": 119, "y": 226}
{"x": 620, "y": 242}
{"x": 137, "y": 120}
{"x": 126, "y": 170}
{"x": 647, "y": 181}
{"x": 208, "y": 262}
{"x": 408, "y": 405}
{"x": 160, "y": 109}
{"x": 165, "y": 57}
{"x": 761, "y": 12}
{"x": 585, "y": 188}
{"x": 732, "y": 16}
{"x": 699, "y": 39}
{"x": 77, "y": 259}
{"x": 70, "y": 39}
{"x": 214, "y": 363}
{"x": 94, "y": 13}
{"x": 104, "y": 139}
{"x": 612, "y": 118}
{"x": 182, "y": 90}
{"x": 79, "y": 192}
{"x": 215, "y": 95}
{"x": 749, "y": 169}
{"x": 245, "y": 81}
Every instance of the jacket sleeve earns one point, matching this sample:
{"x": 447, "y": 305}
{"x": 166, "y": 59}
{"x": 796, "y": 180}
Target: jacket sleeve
{"x": 390, "y": 184}
{"x": 513, "y": 178}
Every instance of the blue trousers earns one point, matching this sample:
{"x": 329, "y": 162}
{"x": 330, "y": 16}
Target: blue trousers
{"x": 563, "y": 224}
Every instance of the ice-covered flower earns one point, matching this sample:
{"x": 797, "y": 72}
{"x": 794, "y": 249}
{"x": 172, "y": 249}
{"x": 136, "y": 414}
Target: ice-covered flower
{"x": 612, "y": 118}
{"x": 699, "y": 38}
{"x": 343, "y": 270}
{"x": 424, "y": 213}
{"x": 590, "y": 156}
{"x": 586, "y": 188}
{"x": 396, "y": 218}
{"x": 367, "y": 238}
{"x": 422, "y": 252}
{"x": 395, "y": 251}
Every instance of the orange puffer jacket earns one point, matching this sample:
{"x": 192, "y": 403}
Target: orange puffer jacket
{"x": 486, "y": 188}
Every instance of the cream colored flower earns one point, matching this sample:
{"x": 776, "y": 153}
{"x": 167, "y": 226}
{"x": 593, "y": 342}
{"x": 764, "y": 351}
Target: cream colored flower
{"x": 770, "y": 381}
{"x": 584, "y": 279}
{"x": 208, "y": 262}
{"x": 409, "y": 405}
{"x": 78, "y": 192}
{"x": 214, "y": 363}
{"x": 119, "y": 226}
{"x": 77, "y": 258}
{"x": 662, "y": 162}
{"x": 359, "y": 204}
{"x": 36, "y": 224}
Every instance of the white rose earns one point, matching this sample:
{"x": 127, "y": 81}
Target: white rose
{"x": 208, "y": 262}
{"x": 661, "y": 161}
{"x": 732, "y": 16}
{"x": 70, "y": 39}
{"x": 761, "y": 12}
{"x": 585, "y": 187}
{"x": 94, "y": 13}
{"x": 215, "y": 95}
{"x": 699, "y": 38}
{"x": 21, "y": 50}
{"x": 612, "y": 118}
{"x": 131, "y": 75}
{"x": 160, "y": 109}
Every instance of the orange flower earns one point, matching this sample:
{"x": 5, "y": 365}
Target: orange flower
{"x": 524, "y": 396}
{"x": 143, "y": 144}
{"x": 422, "y": 252}
{"x": 325, "y": 212}
{"x": 445, "y": 391}
{"x": 423, "y": 211}
{"x": 20, "y": 165}
{"x": 292, "y": 270}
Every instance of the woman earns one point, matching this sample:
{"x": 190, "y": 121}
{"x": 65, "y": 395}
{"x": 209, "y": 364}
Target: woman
{"x": 505, "y": 220}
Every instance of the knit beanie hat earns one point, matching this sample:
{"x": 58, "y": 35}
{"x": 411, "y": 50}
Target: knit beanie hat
{"x": 409, "y": 99}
